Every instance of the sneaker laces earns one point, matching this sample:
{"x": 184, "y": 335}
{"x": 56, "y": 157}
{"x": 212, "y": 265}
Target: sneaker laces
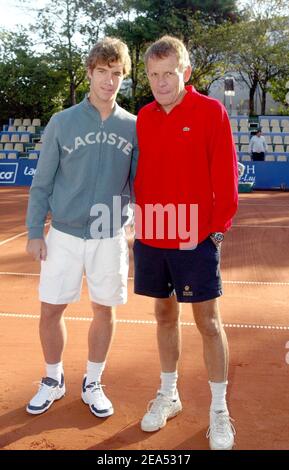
{"x": 43, "y": 388}
{"x": 159, "y": 404}
{"x": 95, "y": 387}
{"x": 222, "y": 421}
{"x": 98, "y": 395}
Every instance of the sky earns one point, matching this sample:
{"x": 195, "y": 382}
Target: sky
{"x": 12, "y": 16}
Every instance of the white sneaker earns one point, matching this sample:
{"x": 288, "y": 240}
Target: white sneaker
{"x": 159, "y": 411}
{"x": 49, "y": 391}
{"x": 93, "y": 395}
{"x": 221, "y": 431}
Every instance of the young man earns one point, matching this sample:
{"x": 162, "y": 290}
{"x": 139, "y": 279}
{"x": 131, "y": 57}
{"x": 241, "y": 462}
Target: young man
{"x": 87, "y": 157}
{"x": 258, "y": 147}
{"x": 186, "y": 159}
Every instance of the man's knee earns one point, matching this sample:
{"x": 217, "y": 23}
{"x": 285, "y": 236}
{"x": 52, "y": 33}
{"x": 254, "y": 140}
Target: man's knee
{"x": 52, "y": 311}
{"x": 209, "y": 326}
{"x": 103, "y": 313}
{"x": 207, "y": 318}
{"x": 167, "y": 311}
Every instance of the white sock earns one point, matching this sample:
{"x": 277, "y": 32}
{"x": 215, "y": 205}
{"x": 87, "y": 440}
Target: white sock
{"x": 54, "y": 371}
{"x": 169, "y": 384}
{"x": 219, "y": 390}
{"x": 94, "y": 371}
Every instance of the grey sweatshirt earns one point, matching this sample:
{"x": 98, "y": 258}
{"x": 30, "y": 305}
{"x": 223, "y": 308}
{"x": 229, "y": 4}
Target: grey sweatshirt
{"x": 84, "y": 173}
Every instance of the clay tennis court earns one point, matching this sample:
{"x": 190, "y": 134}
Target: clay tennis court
{"x": 255, "y": 310}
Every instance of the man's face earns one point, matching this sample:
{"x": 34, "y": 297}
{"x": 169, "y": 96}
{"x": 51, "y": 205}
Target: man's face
{"x": 166, "y": 80}
{"x": 105, "y": 81}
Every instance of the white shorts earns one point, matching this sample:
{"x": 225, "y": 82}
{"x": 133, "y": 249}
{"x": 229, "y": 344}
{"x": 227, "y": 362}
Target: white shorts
{"x": 105, "y": 263}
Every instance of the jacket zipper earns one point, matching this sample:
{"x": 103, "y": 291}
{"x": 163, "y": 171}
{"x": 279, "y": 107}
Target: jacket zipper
{"x": 101, "y": 127}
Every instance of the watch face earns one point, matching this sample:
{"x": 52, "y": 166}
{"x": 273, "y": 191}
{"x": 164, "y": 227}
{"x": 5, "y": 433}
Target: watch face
{"x": 218, "y": 236}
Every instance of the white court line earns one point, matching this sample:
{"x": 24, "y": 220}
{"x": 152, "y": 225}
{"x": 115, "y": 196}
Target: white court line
{"x": 149, "y": 322}
{"x": 257, "y": 283}
{"x": 261, "y": 205}
{"x": 18, "y": 236}
{"x": 234, "y": 225}
{"x": 13, "y": 238}
{"x": 260, "y": 226}
{"x": 3, "y": 273}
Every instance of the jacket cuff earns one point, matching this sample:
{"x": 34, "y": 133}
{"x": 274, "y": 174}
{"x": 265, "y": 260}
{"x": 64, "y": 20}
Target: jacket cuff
{"x": 221, "y": 228}
{"x": 35, "y": 232}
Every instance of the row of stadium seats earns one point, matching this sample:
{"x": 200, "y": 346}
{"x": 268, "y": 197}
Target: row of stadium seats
{"x": 277, "y": 138}
{"x": 241, "y": 138}
{"x": 280, "y": 148}
{"x": 239, "y": 120}
{"x": 242, "y": 124}
{"x": 14, "y": 155}
{"x": 240, "y": 128}
{"x": 24, "y": 122}
{"x": 246, "y": 157}
{"x": 31, "y": 129}
{"x": 273, "y": 124}
{"x": 19, "y": 137}
{"x": 20, "y": 146}
{"x": 274, "y": 129}
{"x": 264, "y": 129}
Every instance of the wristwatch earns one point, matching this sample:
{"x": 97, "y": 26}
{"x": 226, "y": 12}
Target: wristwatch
{"x": 217, "y": 237}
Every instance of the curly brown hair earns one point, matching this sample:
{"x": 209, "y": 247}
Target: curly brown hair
{"x": 107, "y": 51}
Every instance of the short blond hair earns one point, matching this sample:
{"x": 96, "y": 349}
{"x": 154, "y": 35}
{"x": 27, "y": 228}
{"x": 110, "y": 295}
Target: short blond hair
{"x": 166, "y": 46}
{"x": 107, "y": 51}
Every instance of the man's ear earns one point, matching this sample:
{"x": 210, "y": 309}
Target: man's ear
{"x": 89, "y": 73}
{"x": 187, "y": 73}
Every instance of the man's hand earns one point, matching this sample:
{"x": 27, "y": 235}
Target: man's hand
{"x": 130, "y": 231}
{"x": 37, "y": 249}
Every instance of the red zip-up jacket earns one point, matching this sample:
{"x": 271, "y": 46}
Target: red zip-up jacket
{"x": 185, "y": 157}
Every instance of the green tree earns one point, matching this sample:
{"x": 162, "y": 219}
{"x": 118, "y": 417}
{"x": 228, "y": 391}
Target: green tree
{"x": 59, "y": 26}
{"x": 207, "y": 48}
{"x": 143, "y": 21}
{"x": 97, "y": 14}
{"x": 136, "y": 34}
{"x": 279, "y": 89}
{"x": 29, "y": 86}
{"x": 259, "y": 51}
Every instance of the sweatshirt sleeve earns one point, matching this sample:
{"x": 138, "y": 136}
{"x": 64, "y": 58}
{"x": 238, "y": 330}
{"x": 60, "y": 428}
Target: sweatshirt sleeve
{"x": 224, "y": 172}
{"x": 43, "y": 182}
{"x": 133, "y": 169}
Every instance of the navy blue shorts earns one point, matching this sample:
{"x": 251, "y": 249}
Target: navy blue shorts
{"x": 193, "y": 275}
